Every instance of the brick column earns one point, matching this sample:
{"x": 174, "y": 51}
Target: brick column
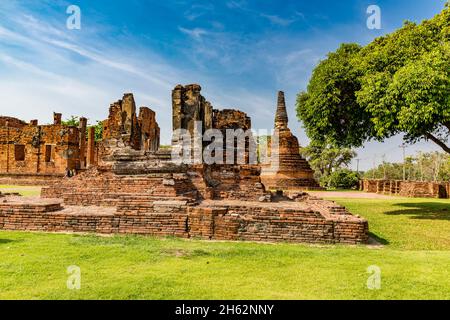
{"x": 83, "y": 156}
{"x": 91, "y": 147}
{"x": 7, "y": 146}
{"x": 57, "y": 118}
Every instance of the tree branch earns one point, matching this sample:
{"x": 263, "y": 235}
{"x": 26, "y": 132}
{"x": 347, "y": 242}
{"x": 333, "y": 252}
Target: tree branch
{"x": 447, "y": 125}
{"x": 438, "y": 142}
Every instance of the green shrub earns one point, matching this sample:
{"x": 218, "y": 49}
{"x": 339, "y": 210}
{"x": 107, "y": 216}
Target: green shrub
{"x": 343, "y": 179}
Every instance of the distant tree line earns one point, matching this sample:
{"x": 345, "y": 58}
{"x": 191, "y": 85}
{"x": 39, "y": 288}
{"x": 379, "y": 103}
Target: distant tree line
{"x": 430, "y": 166}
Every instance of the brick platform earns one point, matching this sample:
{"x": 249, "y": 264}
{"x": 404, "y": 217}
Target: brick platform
{"x": 211, "y": 219}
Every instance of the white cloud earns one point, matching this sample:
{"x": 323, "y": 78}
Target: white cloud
{"x": 274, "y": 19}
{"x": 236, "y": 4}
{"x": 195, "y": 33}
{"x": 198, "y": 10}
{"x": 45, "y": 69}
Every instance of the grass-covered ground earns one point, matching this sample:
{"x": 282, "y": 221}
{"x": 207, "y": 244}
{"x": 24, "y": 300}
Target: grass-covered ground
{"x": 23, "y": 190}
{"x": 414, "y": 261}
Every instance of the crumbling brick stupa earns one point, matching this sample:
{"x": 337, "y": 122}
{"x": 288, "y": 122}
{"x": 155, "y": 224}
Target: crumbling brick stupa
{"x": 289, "y": 170}
{"x": 137, "y": 188}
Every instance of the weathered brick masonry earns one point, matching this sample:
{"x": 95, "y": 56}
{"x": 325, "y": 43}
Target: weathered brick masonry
{"x": 33, "y": 154}
{"x": 289, "y": 171}
{"x": 134, "y": 187}
{"x": 29, "y": 179}
{"x": 220, "y": 220}
{"x": 29, "y": 149}
{"x": 420, "y": 189}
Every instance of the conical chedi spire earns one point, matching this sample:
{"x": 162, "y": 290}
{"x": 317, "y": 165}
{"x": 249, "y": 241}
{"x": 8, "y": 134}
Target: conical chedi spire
{"x": 287, "y": 170}
{"x": 281, "y": 117}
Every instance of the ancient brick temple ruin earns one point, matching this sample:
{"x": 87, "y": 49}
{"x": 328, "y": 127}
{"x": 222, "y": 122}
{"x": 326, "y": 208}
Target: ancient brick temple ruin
{"x": 33, "y": 154}
{"x": 289, "y": 170}
{"x": 39, "y": 154}
{"x": 135, "y": 187}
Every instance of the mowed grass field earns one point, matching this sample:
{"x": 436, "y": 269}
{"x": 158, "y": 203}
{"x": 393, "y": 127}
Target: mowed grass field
{"x": 26, "y": 191}
{"x": 414, "y": 261}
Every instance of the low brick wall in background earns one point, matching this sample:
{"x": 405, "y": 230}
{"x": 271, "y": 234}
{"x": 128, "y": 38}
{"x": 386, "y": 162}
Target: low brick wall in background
{"x": 419, "y": 189}
{"x": 29, "y": 179}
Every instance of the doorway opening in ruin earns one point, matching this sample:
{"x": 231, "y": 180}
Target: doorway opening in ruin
{"x": 48, "y": 153}
{"x": 19, "y": 152}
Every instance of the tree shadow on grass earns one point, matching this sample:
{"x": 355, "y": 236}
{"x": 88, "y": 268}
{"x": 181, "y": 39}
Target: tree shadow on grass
{"x": 3, "y": 241}
{"x": 374, "y": 239}
{"x": 423, "y": 210}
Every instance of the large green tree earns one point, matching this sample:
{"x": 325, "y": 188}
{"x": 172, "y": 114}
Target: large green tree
{"x": 325, "y": 158}
{"x": 399, "y": 83}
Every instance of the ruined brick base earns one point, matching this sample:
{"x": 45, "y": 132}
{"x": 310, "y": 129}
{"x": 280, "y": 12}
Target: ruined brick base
{"x": 147, "y": 194}
{"x": 310, "y": 220}
{"x": 278, "y": 182}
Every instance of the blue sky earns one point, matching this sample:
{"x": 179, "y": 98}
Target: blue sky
{"x": 241, "y": 52}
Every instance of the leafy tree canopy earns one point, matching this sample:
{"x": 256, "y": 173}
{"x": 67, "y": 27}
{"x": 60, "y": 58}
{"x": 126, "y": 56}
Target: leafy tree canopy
{"x": 75, "y": 122}
{"x": 399, "y": 83}
{"x": 343, "y": 179}
{"x": 325, "y": 158}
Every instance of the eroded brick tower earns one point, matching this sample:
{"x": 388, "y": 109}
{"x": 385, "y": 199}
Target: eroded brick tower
{"x": 288, "y": 170}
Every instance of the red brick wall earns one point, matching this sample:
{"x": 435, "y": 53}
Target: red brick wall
{"x": 64, "y": 150}
{"x": 274, "y": 225}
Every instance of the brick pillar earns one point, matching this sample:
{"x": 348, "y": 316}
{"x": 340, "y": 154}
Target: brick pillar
{"x": 91, "y": 147}
{"x": 82, "y": 129}
{"x": 7, "y": 146}
{"x": 57, "y": 117}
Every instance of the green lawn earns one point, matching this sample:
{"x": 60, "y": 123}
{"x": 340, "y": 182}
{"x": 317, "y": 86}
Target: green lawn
{"x": 23, "y": 190}
{"x": 414, "y": 261}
